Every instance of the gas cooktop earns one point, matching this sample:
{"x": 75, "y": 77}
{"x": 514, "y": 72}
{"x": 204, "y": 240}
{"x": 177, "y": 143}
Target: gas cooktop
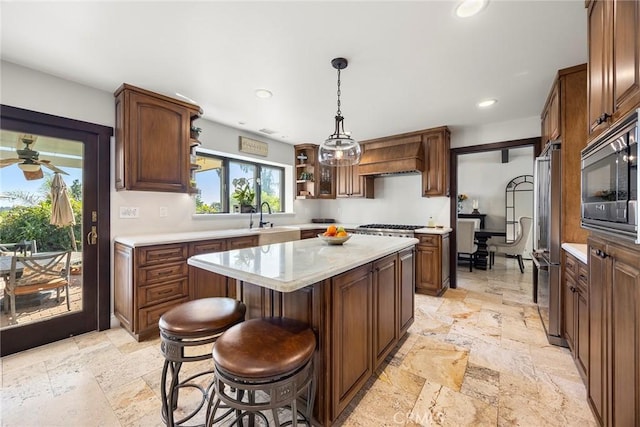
{"x": 392, "y": 226}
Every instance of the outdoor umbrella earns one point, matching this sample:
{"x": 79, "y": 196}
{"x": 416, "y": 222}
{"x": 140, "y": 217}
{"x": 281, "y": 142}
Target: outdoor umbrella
{"x": 61, "y": 212}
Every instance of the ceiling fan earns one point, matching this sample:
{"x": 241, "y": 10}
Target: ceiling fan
{"x": 28, "y": 160}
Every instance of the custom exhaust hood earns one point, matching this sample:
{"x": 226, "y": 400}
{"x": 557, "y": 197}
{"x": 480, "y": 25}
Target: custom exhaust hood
{"x": 392, "y": 157}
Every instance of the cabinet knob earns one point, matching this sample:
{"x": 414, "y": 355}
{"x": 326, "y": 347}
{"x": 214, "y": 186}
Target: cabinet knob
{"x": 603, "y": 118}
{"x": 572, "y": 289}
{"x": 601, "y": 254}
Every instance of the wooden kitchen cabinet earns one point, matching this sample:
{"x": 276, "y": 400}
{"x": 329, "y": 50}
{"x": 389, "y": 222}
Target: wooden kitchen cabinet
{"x": 614, "y": 65}
{"x": 352, "y": 185}
{"x": 576, "y": 311}
{"x": 205, "y": 283}
{"x": 432, "y": 264}
{"x": 147, "y": 282}
{"x": 563, "y": 119}
{"x": 407, "y": 288}
{"x": 310, "y": 234}
{"x": 313, "y": 179}
{"x": 551, "y": 115}
{"x": 435, "y": 178}
{"x": 150, "y": 280}
{"x": 352, "y": 355}
{"x": 385, "y": 307}
{"x": 153, "y": 143}
{"x": 614, "y": 315}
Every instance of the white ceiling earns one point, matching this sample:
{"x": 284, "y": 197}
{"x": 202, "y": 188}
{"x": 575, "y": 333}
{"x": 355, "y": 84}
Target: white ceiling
{"x": 412, "y": 65}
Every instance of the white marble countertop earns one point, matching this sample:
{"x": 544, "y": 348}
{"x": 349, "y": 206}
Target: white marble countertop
{"x": 194, "y": 236}
{"x": 578, "y": 250}
{"x": 289, "y": 266}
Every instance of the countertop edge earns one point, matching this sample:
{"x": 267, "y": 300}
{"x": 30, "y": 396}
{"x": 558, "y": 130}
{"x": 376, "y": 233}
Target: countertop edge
{"x": 578, "y": 250}
{"x": 299, "y": 282}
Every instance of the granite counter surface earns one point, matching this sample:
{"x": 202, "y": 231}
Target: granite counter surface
{"x": 289, "y": 266}
{"x": 194, "y": 236}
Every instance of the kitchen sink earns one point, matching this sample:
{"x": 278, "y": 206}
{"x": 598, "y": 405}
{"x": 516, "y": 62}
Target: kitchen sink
{"x": 271, "y": 235}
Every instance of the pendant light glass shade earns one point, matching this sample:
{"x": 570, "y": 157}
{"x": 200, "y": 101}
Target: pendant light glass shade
{"x": 339, "y": 149}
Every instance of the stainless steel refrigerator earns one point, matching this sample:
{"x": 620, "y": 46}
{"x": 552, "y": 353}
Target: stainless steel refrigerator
{"x": 547, "y": 241}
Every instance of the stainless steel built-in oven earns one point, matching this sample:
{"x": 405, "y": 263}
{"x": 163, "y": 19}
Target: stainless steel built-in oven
{"x": 610, "y": 181}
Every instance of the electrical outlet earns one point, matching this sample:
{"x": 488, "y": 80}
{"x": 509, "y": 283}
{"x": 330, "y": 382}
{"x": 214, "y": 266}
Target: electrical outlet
{"x": 164, "y": 211}
{"x": 128, "y": 212}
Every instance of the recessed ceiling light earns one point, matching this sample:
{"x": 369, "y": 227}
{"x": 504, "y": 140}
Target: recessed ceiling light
{"x": 263, "y": 93}
{"x": 487, "y": 103}
{"x": 468, "y": 8}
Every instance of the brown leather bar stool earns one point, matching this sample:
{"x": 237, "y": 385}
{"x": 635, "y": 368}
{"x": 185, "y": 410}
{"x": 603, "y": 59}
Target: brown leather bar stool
{"x": 194, "y": 323}
{"x": 270, "y": 355}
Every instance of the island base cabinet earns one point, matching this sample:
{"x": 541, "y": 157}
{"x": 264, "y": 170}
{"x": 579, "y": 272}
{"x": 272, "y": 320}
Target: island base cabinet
{"x": 614, "y": 315}
{"x": 356, "y": 318}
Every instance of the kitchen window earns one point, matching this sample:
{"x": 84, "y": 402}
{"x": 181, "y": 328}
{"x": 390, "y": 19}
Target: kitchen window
{"x": 223, "y": 181}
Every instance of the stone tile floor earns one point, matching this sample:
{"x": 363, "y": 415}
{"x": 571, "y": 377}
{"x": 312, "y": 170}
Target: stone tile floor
{"x": 477, "y": 356}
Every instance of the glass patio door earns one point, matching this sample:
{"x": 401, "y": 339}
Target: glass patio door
{"x": 49, "y": 197}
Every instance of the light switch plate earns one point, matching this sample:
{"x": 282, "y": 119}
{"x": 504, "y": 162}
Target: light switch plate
{"x": 129, "y": 212}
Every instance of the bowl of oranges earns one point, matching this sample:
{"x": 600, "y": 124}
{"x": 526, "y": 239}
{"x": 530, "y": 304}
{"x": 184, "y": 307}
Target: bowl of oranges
{"x": 334, "y": 235}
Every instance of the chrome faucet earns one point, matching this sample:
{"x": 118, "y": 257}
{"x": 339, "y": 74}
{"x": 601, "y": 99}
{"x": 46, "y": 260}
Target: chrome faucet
{"x": 263, "y": 223}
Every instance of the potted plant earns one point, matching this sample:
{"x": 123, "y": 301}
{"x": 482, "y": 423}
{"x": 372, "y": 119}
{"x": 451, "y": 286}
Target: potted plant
{"x": 244, "y": 194}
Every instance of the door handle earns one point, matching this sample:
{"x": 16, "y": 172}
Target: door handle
{"x": 92, "y": 236}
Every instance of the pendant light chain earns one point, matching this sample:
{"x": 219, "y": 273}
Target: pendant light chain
{"x": 339, "y": 112}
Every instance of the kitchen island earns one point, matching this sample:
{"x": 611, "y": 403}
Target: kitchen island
{"x": 357, "y": 297}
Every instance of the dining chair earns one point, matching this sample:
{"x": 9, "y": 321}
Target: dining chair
{"x": 465, "y": 236}
{"x": 35, "y": 273}
{"x": 514, "y": 248}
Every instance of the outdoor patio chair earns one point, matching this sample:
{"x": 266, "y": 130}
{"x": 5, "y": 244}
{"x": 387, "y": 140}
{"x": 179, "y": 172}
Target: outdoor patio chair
{"x": 23, "y": 247}
{"x": 37, "y": 273}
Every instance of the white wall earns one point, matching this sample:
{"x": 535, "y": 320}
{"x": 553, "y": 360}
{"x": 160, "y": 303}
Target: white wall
{"x": 528, "y": 127}
{"x": 33, "y": 90}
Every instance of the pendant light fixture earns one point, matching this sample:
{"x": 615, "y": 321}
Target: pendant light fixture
{"x": 339, "y": 149}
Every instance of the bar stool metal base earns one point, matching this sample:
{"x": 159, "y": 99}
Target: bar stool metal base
{"x": 283, "y": 392}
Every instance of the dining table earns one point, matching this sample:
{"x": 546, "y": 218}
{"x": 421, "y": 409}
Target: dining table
{"x": 482, "y": 235}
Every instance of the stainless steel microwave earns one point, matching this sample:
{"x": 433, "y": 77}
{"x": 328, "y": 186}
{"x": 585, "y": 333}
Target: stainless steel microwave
{"x": 610, "y": 181}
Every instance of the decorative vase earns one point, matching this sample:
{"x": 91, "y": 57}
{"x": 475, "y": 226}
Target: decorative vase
{"x": 459, "y": 206}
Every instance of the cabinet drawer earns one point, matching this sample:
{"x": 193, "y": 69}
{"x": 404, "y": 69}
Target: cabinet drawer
{"x": 583, "y": 277}
{"x": 571, "y": 265}
{"x": 429, "y": 239}
{"x": 208, "y": 246}
{"x": 148, "y": 317}
{"x": 162, "y": 254}
{"x": 161, "y": 292}
{"x": 242, "y": 242}
{"x": 162, "y": 272}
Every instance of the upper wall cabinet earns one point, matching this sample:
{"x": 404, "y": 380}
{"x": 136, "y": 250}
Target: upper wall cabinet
{"x": 564, "y": 118}
{"x": 614, "y": 62}
{"x": 435, "y": 178}
{"x": 152, "y": 141}
{"x": 350, "y": 184}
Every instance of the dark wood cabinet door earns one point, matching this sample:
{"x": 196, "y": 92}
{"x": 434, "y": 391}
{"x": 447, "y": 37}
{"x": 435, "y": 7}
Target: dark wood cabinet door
{"x": 352, "y": 185}
{"x": 428, "y": 277}
{"x": 158, "y": 145}
{"x": 203, "y": 283}
{"x": 582, "y": 332}
{"x": 551, "y": 115}
{"x": 597, "y": 83}
{"x": 385, "y": 307}
{"x": 624, "y": 337}
{"x": 242, "y": 242}
{"x": 351, "y": 355}
{"x": 625, "y": 72}
{"x": 435, "y": 178}
{"x": 598, "y": 276}
{"x": 569, "y": 314}
{"x": 406, "y": 287}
